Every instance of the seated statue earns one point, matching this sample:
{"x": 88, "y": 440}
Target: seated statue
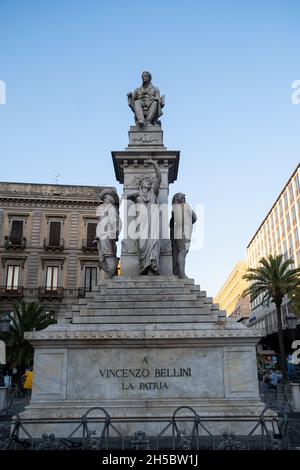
{"x": 146, "y": 102}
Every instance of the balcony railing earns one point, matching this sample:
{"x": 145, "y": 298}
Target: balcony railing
{"x": 11, "y": 293}
{"x": 14, "y": 244}
{"x": 53, "y": 246}
{"x": 50, "y": 294}
{"x": 89, "y": 246}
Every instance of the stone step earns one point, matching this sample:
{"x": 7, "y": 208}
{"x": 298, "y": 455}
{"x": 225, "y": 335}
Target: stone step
{"x": 162, "y": 283}
{"x": 128, "y": 312}
{"x": 142, "y": 291}
{"x": 145, "y": 319}
{"x": 159, "y": 305}
{"x": 149, "y": 297}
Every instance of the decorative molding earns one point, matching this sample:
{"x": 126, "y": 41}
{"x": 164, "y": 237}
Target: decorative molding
{"x": 51, "y": 203}
{"x": 20, "y": 215}
{"x": 52, "y": 217}
{"x": 46, "y": 259}
{"x": 85, "y": 260}
{"x": 87, "y": 218}
{"x": 69, "y": 334}
{"x": 20, "y": 259}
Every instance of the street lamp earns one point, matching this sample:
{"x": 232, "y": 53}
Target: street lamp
{"x": 291, "y": 321}
{"x": 4, "y": 324}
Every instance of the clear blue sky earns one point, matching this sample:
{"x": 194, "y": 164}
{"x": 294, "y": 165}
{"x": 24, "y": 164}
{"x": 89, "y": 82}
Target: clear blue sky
{"x": 226, "y": 68}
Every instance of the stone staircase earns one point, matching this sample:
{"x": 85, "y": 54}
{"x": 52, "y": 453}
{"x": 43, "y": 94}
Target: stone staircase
{"x": 146, "y": 300}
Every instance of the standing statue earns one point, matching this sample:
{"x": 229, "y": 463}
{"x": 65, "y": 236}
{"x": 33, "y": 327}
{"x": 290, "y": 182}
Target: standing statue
{"x": 107, "y": 231}
{"x": 146, "y": 102}
{"x": 181, "y": 226}
{"x": 147, "y": 221}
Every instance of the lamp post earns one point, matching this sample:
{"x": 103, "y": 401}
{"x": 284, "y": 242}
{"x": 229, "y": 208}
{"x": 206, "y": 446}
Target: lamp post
{"x": 4, "y": 328}
{"x": 4, "y": 323}
{"x": 291, "y": 321}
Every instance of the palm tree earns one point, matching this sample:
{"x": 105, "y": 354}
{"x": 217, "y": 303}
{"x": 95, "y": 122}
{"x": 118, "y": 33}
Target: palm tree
{"x": 273, "y": 279}
{"x": 26, "y": 317}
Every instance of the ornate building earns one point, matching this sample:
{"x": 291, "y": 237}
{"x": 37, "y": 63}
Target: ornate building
{"x": 47, "y": 249}
{"x": 229, "y": 296}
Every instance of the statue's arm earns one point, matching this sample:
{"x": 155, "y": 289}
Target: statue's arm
{"x": 131, "y": 196}
{"x": 156, "y": 93}
{"x": 194, "y": 217}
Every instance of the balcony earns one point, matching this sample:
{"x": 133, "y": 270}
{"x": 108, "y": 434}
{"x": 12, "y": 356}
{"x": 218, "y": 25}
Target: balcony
{"x": 87, "y": 245}
{"x": 11, "y": 243}
{"x": 51, "y": 294}
{"x": 54, "y": 245}
{"x": 10, "y": 293}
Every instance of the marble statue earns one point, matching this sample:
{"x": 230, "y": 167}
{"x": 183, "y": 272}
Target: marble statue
{"x": 107, "y": 231}
{"x": 148, "y": 221}
{"x": 146, "y": 102}
{"x": 181, "y": 225}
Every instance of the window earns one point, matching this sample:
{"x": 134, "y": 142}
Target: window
{"x": 276, "y": 215}
{"x": 297, "y": 183}
{"x": 280, "y": 208}
{"x": 294, "y": 215}
{"x": 291, "y": 193}
{"x": 54, "y": 234}
{"x": 90, "y": 278}
{"x": 91, "y": 234}
{"x": 12, "y": 280}
{"x": 52, "y": 277}
{"x": 290, "y": 245}
{"x": 285, "y": 198}
{"x": 16, "y": 232}
{"x": 296, "y": 233}
{"x": 288, "y": 222}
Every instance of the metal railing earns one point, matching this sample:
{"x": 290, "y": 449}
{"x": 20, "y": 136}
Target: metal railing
{"x": 50, "y": 294}
{"x": 11, "y": 292}
{"x": 49, "y": 245}
{"x": 14, "y": 243}
{"x": 185, "y": 430}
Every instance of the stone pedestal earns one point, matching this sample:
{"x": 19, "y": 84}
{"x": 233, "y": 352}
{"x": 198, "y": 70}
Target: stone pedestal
{"x": 140, "y": 348}
{"x": 129, "y": 166}
{"x": 295, "y": 396}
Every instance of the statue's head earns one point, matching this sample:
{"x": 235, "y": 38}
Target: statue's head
{"x": 146, "y": 77}
{"x": 109, "y": 196}
{"x": 145, "y": 185}
{"x": 178, "y": 198}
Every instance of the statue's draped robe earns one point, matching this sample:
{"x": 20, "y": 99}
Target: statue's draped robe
{"x": 107, "y": 231}
{"x": 148, "y": 227}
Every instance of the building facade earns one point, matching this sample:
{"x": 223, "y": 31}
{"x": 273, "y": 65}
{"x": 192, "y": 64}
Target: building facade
{"x": 230, "y": 297}
{"x": 278, "y": 234}
{"x": 47, "y": 249}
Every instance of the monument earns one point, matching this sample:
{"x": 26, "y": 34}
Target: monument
{"x": 147, "y": 341}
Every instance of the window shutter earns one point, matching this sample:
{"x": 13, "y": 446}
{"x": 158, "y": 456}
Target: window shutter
{"x": 54, "y": 234}
{"x": 16, "y": 231}
{"x": 91, "y": 234}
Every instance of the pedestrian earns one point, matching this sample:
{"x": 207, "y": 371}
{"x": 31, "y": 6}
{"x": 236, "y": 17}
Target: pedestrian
{"x": 27, "y": 385}
{"x": 266, "y": 383}
{"x": 274, "y": 379}
{"x": 7, "y": 380}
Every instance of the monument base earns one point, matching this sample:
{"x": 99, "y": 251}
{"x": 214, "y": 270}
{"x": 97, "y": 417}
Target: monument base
{"x": 140, "y": 348}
